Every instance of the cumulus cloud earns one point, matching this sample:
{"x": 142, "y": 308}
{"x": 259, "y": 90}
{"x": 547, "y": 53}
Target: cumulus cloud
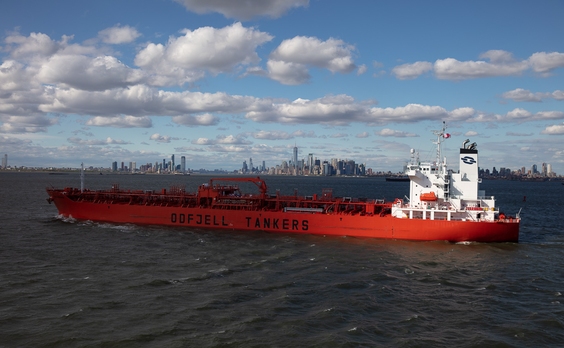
{"x": 223, "y": 140}
{"x": 186, "y": 58}
{"x": 198, "y": 120}
{"x": 408, "y": 114}
{"x": 411, "y": 71}
{"x": 243, "y": 10}
{"x": 161, "y": 138}
{"x": 363, "y": 135}
{"x": 82, "y": 72}
{"x": 230, "y": 148}
{"x": 515, "y": 134}
{"x": 141, "y": 100}
{"x": 118, "y": 35}
{"x": 557, "y": 129}
{"x": 500, "y": 64}
{"x": 203, "y": 141}
{"x": 107, "y": 141}
{"x": 343, "y": 110}
{"x": 272, "y": 135}
{"x": 287, "y": 73}
{"x": 387, "y": 132}
{"x": 518, "y": 115}
{"x": 302, "y": 52}
{"x": 493, "y": 63}
{"x": 26, "y": 124}
{"x": 120, "y": 121}
{"x": 334, "y": 110}
{"x": 36, "y": 44}
{"x": 15, "y": 77}
{"x": 231, "y": 139}
{"x": 303, "y": 134}
{"x": 544, "y": 63}
{"x": 523, "y": 95}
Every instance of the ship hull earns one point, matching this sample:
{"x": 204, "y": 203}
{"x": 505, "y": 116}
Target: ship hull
{"x": 371, "y": 226}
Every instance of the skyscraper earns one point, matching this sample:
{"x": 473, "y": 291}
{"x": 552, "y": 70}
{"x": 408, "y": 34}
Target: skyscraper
{"x": 295, "y": 160}
{"x": 5, "y": 161}
{"x": 183, "y": 164}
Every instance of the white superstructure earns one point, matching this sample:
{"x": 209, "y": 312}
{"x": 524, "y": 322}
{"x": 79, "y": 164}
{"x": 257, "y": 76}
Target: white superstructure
{"x": 436, "y": 193}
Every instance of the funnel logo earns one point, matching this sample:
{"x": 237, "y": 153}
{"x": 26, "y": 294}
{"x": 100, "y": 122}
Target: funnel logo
{"x": 468, "y": 160}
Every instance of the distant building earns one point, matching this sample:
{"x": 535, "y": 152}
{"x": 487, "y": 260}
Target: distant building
{"x": 5, "y": 161}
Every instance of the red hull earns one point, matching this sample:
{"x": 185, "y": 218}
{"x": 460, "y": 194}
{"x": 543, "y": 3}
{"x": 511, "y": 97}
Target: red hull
{"x": 338, "y": 224}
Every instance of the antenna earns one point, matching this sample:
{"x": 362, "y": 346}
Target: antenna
{"x": 82, "y": 177}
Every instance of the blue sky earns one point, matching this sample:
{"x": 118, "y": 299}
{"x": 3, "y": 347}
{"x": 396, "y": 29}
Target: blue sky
{"x": 222, "y": 81}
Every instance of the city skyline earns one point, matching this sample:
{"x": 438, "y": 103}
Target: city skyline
{"x": 286, "y": 167}
{"x": 224, "y": 81}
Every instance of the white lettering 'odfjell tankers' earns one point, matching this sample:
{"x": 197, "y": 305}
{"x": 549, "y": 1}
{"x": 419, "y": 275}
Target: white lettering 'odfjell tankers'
{"x": 442, "y": 205}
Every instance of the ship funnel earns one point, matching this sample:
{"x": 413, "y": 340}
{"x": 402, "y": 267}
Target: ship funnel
{"x": 472, "y": 146}
{"x": 465, "y": 142}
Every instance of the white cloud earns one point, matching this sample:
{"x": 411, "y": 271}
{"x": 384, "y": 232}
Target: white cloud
{"x": 140, "y": 100}
{"x": 272, "y": 135}
{"x": 118, "y": 35}
{"x": 500, "y": 63}
{"x": 411, "y": 71}
{"x": 82, "y": 72}
{"x": 523, "y": 95}
{"x": 407, "y": 114}
{"x": 363, "y": 135}
{"x": 387, "y": 132}
{"x": 557, "y": 129}
{"x": 230, "y": 148}
{"x": 15, "y": 77}
{"x": 186, "y": 58}
{"x": 120, "y": 121}
{"x": 516, "y": 134}
{"x": 303, "y": 134}
{"x": 334, "y": 110}
{"x": 243, "y": 10}
{"x": 107, "y": 141}
{"x": 518, "y": 115}
{"x": 26, "y": 124}
{"x": 36, "y": 44}
{"x": 362, "y": 69}
{"x": 544, "y": 63}
{"x": 199, "y": 120}
{"x": 203, "y": 141}
{"x": 222, "y": 140}
{"x": 160, "y": 138}
{"x": 288, "y": 63}
{"x": 287, "y": 73}
{"x": 231, "y": 139}
{"x": 494, "y": 63}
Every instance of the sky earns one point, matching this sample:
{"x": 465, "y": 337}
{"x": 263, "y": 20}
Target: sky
{"x": 223, "y": 81}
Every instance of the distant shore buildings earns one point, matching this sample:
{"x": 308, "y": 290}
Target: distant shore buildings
{"x": 310, "y": 166}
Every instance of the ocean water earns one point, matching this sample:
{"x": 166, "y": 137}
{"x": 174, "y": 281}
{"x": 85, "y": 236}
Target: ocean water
{"x": 81, "y": 284}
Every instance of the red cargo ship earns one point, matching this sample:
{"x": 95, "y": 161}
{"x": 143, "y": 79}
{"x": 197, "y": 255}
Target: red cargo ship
{"x": 443, "y": 205}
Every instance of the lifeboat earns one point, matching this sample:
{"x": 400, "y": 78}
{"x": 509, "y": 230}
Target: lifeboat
{"x": 428, "y": 197}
